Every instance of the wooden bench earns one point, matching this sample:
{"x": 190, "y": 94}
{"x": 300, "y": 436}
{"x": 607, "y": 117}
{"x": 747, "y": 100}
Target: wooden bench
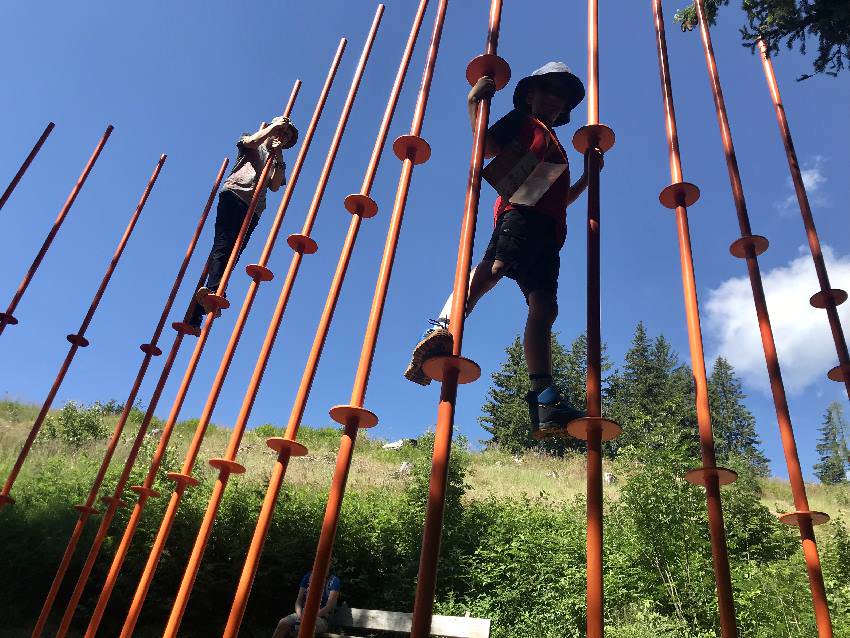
{"x": 362, "y": 621}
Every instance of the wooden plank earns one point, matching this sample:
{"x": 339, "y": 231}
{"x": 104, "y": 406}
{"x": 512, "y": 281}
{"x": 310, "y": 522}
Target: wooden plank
{"x": 447, "y": 626}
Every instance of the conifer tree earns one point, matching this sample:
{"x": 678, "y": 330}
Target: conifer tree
{"x": 505, "y": 412}
{"x": 734, "y": 425}
{"x": 832, "y": 447}
{"x": 652, "y": 399}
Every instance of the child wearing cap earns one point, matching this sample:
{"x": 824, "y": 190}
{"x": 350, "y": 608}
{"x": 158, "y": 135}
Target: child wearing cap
{"x": 235, "y": 197}
{"x": 530, "y": 229}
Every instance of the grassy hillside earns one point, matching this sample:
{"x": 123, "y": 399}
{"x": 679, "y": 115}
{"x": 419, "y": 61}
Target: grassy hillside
{"x": 513, "y": 544}
{"x": 491, "y": 472}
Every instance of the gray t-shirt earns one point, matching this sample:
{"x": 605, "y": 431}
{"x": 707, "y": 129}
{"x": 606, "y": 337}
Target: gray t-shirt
{"x": 243, "y": 178}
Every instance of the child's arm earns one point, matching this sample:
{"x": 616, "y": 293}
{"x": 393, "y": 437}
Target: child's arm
{"x": 276, "y": 179}
{"x": 253, "y": 141}
{"x": 485, "y": 88}
{"x": 581, "y": 184}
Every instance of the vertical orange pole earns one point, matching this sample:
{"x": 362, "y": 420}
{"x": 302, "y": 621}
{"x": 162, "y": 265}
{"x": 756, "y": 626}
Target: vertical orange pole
{"x": 828, "y": 297}
{"x": 258, "y": 273}
{"x": 748, "y": 247}
{"x": 678, "y": 196}
{"x": 114, "y": 502}
{"x": 77, "y": 341}
{"x": 8, "y": 318}
{"x": 87, "y": 508}
{"x": 411, "y": 149}
{"x": 592, "y": 140}
{"x": 23, "y": 169}
{"x": 302, "y": 244}
{"x": 360, "y": 205}
{"x": 455, "y": 369}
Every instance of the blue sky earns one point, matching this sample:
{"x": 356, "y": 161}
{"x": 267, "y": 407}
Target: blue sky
{"x": 187, "y": 78}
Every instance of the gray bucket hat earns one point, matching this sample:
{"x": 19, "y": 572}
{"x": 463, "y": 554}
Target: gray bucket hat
{"x": 575, "y": 88}
{"x": 281, "y": 120}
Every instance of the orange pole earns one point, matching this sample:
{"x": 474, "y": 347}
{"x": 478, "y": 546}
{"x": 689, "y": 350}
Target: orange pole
{"x": 592, "y": 140}
{"x": 87, "y": 508}
{"x": 828, "y": 297}
{"x": 77, "y": 341}
{"x": 114, "y": 502}
{"x": 23, "y": 169}
{"x": 678, "y": 196}
{"x": 258, "y": 273}
{"x": 360, "y": 205}
{"x": 301, "y": 244}
{"x": 455, "y": 369}
{"x": 7, "y": 318}
{"x": 411, "y": 149}
{"x": 748, "y": 247}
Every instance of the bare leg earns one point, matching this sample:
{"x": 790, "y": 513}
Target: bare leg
{"x": 484, "y": 277}
{"x": 284, "y": 627}
{"x": 542, "y": 311}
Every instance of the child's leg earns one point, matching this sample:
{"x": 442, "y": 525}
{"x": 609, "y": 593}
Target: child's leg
{"x": 542, "y": 312}
{"x": 481, "y": 281}
{"x": 229, "y": 215}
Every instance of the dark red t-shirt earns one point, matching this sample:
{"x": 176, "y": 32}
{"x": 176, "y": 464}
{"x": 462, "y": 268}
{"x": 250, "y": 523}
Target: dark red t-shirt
{"x": 535, "y": 136}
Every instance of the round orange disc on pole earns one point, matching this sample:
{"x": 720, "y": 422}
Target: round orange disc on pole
{"x": 679, "y": 194}
{"x": 491, "y": 66}
{"x": 280, "y": 444}
{"x": 742, "y": 247}
{"x": 823, "y": 298}
{"x": 699, "y": 476}
{"x": 412, "y": 147}
{"x": 794, "y": 518}
{"x": 345, "y": 414}
{"x": 361, "y": 204}
{"x": 438, "y": 367}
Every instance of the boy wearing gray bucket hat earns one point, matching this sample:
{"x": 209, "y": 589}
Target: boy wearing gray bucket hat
{"x": 235, "y": 197}
{"x": 531, "y": 173}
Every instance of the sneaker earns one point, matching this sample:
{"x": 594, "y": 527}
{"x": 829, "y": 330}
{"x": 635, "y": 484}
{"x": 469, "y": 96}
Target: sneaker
{"x": 435, "y": 342}
{"x": 552, "y": 413}
{"x": 201, "y": 297}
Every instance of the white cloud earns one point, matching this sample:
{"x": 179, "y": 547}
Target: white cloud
{"x": 813, "y": 179}
{"x": 802, "y": 334}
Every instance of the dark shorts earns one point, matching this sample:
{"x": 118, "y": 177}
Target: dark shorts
{"x": 526, "y": 242}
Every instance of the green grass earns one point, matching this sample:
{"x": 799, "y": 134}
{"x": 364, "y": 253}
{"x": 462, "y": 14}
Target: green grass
{"x": 492, "y": 473}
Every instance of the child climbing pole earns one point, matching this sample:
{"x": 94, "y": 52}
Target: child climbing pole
{"x": 532, "y": 175}
{"x": 234, "y": 202}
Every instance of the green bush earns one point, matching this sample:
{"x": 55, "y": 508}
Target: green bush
{"x": 266, "y": 431}
{"x": 77, "y": 425}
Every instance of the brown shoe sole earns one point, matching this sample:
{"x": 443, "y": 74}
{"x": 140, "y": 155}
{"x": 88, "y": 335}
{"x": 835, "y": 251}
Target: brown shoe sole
{"x": 438, "y": 342}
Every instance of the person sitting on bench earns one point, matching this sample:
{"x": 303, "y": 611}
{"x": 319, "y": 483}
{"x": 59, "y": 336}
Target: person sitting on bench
{"x": 330, "y": 597}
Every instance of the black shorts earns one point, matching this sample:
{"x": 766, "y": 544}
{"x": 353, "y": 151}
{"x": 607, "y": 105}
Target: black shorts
{"x": 526, "y": 242}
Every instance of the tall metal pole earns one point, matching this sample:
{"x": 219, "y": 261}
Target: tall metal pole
{"x": 301, "y": 243}
{"x": 592, "y": 141}
{"x": 748, "y": 247}
{"x": 411, "y": 149}
{"x": 828, "y": 297}
{"x": 146, "y": 491}
{"x": 8, "y": 318}
{"x": 678, "y": 196}
{"x": 114, "y": 502}
{"x": 258, "y": 273}
{"x": 454, "y": 369}
{"x": 77, "y": 341}
{"x": 23, "y": 169}
{"x": 361, "y": 206}
{"x": 87, "y": 508}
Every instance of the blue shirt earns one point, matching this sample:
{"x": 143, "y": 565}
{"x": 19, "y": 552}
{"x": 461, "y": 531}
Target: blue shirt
{"x": 333, "y": 584}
